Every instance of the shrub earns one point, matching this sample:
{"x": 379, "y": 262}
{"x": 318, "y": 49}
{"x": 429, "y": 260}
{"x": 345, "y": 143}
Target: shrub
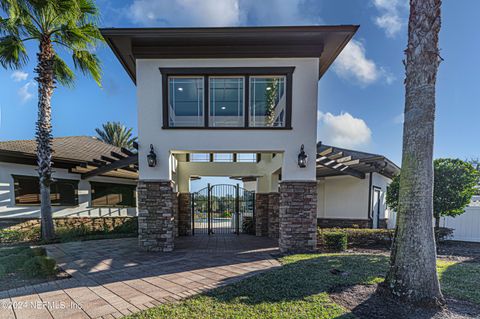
{"x": 335, "y": 240}
{"x": 129, "y": 226}
{"x": 248, "y": 227}
{"x": 19, "y": 235}
{"x": 443, "y": 233}
{"x": 38, "y": 251}
{"x": 39, "y": 266}
{"x": 362, "y": 237}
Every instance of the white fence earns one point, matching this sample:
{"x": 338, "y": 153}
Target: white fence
{"x": 466, "y": 226}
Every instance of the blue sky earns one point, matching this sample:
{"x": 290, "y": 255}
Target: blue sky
{"x": 361, "y": 98}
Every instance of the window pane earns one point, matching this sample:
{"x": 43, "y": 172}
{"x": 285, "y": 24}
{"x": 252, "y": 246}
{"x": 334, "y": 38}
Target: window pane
{"x": 247, "y": 157}
{"x": 223, "y": 157}
{"x": 226, "y": 101}
{"x": 199, "y": 157}
{"x": 27, "y": 190}
{"x": 62, "y": 192}
{"x": 185, "y": 101}
{"x": 267, "y": 101}
{"x": 113, "y": 195}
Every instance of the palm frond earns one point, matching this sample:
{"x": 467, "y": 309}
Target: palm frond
{"x": 88, "y": 63}
{"x": 13, "y": 53}
{"x": 115, "y": 133}
{"x": 63, "y": 74}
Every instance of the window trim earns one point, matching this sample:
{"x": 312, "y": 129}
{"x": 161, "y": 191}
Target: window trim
{"x": 245, "y": 72}
{"x": 32, "y": 177}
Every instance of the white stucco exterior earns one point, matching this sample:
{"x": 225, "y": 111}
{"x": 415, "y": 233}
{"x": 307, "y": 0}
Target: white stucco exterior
{"x": 347, "y": 197}
{"x": 8, "y": 209}
{"x": 287, "y": 142}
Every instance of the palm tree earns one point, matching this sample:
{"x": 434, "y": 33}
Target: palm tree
{"x": 54, "y": 24}
{"x": 116, "y": 134}
{"x": 412, "y": 274}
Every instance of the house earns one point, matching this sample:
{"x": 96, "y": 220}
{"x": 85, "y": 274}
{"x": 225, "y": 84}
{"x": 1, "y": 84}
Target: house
{"x": 207, "y": 97}
{"x": 81, "y": 187}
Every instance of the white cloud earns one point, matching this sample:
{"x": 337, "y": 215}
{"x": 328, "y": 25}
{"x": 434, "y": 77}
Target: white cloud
{"x": 185, "y": 12}
{"x": 18, "y": 76}
{"x": 25, "y": 91}
{"x": 212, "y": 13}
{"x": 391, "y": 18}
{"x": 353, "y": 63}
{"x": 343, "y": 130}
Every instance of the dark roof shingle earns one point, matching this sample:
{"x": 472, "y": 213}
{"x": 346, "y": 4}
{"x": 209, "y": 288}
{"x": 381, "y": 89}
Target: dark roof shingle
{"x": 75, "y": 148}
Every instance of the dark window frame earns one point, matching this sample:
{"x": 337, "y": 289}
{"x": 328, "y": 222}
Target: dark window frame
{"x": 92, "y": 184}
{"x": 37, "y": 181}
{"x": 245, "y": 72}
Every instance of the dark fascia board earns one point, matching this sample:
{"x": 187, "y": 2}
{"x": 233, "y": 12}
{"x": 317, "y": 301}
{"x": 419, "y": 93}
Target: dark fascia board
{"x": 323, "y": 42}
{"x": 30, "y": 159}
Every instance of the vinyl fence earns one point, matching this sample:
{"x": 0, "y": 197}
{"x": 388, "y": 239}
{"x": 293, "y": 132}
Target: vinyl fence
{"x": 466, "y": 226}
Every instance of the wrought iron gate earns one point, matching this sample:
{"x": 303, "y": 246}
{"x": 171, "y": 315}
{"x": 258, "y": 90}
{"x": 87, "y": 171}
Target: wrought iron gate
{"x": 223, "y": 209}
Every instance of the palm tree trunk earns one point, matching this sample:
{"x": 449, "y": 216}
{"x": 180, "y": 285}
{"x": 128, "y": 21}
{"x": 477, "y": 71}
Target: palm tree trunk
{"x": 412, "y": 275}
{"x": 46, "y": 84}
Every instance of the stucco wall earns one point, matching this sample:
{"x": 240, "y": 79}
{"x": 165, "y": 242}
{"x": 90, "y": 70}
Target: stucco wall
{"x": 304, "y": 119}
{"x": 347, "y": 196}
{"x": 10, "y": 210}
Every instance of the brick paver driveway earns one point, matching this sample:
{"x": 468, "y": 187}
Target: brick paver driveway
{"x": 112, "y": 278}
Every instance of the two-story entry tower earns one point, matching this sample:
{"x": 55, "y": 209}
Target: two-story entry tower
{"x": 228, "y": 92}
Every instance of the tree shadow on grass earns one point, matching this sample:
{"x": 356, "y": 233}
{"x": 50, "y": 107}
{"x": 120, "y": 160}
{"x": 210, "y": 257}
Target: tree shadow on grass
{"x": 303, "y": 277}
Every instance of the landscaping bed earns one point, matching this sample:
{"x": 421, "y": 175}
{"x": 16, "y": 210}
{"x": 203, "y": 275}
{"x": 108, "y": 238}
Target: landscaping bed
{"x": 325, "y": 286}
{"x": 21, "y": 266}
{"x": 71, "y": 229}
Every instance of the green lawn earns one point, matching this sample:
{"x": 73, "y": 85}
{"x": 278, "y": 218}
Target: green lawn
{"x": 300, "y": 289}
{"x": 25, "y": 262}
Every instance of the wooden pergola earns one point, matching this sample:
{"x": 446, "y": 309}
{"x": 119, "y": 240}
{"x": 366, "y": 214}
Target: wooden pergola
{"x": 123, "y": 164}
{"x": 333, "y": 161}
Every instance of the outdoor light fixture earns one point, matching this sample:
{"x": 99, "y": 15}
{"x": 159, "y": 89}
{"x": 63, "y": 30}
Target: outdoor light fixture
{"x": 152, "y": 157}
{"x": 302, "y": 158}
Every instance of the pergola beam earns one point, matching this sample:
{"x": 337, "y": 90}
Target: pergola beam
{"x": 119, "y": 164}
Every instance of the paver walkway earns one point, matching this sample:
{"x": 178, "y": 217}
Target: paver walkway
{"x": 113, "y": 278}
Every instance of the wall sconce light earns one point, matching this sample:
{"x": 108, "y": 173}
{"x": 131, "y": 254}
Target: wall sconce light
{"x": 302, "y": 158}
{"x": 152, "y": 157}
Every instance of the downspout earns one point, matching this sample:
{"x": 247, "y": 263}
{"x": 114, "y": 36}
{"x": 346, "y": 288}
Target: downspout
{"x": 370, "y": 220}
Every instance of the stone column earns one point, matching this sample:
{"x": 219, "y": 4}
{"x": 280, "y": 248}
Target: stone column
{"x": 184, "y": 214}
{"x": 157, "y": 205}
{"x": 298, "y": 216}
{"x": 261, "y": 214}
{"x": 273, "y": 214}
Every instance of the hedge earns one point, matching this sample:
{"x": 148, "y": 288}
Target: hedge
{"x": 335, "y": 240}
{"x": 360, "y": 237}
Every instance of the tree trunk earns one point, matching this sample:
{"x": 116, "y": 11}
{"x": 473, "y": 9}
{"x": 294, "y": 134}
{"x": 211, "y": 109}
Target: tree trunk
{"x": 46, "y": 84}
{"x": 412, "y": 275}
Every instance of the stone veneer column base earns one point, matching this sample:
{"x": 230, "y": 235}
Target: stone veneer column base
{"x": 298, "y": 216}
{"x": 157, "y": 205}
{"x": 273, "y": 214}
{"x": 261, "y": 214}
{"x": 184, "y": 214}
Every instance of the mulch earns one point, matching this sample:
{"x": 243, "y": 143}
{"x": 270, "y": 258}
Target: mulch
{"x": 365, "y": 302}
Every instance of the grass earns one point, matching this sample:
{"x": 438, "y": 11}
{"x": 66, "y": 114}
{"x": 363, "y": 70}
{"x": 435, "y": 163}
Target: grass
{"x": 300, "y": 289}
{"x": 25, "y": 262}
{"x": 460, "y": 280}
